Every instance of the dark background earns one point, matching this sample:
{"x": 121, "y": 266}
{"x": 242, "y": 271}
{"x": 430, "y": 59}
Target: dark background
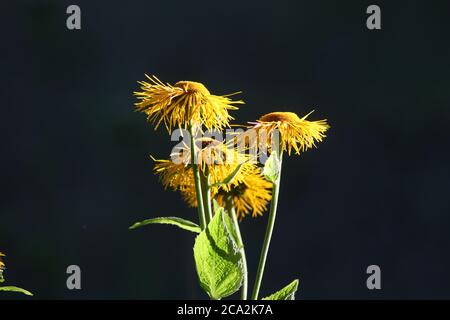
{"x": 75, "y": 166}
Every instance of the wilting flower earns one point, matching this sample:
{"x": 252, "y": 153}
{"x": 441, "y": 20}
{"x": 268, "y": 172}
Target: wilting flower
{"x": 209, "y": 152}
{"x": 249, "y": 191}
{"x": 173, "y": 175}
{"x": 183, "y": 104}
{"x": 214, "y": 159}
{"x": 180, "y": 176}
{"x": 294, "y": 132}
{"x": 2, "y": 264}
{"x": 189, "y": 195}
{"x": 251, "y": 194}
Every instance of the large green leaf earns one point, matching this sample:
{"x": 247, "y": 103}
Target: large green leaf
{"x": 179, "y": 222}
{"x": 287, "y": 293}
{"x": 217, "y": 259}
{"x": 16, "y": 289}
{"x": 272, "y": 167}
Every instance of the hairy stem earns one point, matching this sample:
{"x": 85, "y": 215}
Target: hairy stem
{"x": 198, "y": 187}
{"x": 206, "y": 195}
{"x": 269, "y": 230}
{"x": 240, "y": 243}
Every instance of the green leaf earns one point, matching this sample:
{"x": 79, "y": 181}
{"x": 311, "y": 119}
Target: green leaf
{"x": 218, "y": 262}
{"x": 179, "y": 222}
{"x": 16, "y": 289}
{"x": 287, "y": 293}
{"x": 230, "y": 177}
{"x": 216, "y": 207}
{"x": 229, "y": 225}
{"x": 272, "y": 167}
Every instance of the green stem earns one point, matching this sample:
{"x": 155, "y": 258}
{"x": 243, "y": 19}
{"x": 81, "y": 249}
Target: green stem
{"x": 240, "y": 243}
{"x": 198, "y": 188}
{"x": 206, "y": 195}
{"x": 269, "y": 230}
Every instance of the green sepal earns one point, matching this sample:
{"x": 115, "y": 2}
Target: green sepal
{"x": 272, "y": 168}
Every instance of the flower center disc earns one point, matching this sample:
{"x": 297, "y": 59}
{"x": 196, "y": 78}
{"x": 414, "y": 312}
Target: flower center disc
{"x": 192, "y": 87}
{"x": 280, "y": 116}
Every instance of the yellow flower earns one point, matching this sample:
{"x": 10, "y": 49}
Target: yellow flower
{"x": 250, "y": 191}
{"x": 251, "y": 194}
{"x": 180, "y": 176}
{"x": 171, "y": 174}
{"x": 189, "y": 196}
{"x": 294, "y": 132}
{"x": 214, "y": 158}
{"x": 2, "y": 264}
{"x": 182, "y": 104}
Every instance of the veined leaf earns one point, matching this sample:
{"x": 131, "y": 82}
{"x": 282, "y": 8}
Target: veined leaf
{"x": 287, "y": 293}
{"x": 217, "y": 259}
{"x": 16, "y": 289}
{"x": 228, "y": 223}
{"x": 272, "y": 167}
{"x": 179, "y": 222}
{"x": 230, "y": 177}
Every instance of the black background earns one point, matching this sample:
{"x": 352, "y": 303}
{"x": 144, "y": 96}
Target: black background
{"x": 75, "y": 159}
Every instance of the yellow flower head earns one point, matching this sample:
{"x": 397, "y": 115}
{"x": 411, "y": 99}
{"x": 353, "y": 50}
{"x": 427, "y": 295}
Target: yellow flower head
{"x": 182, "y": 104}
{"x": 251, "y": 194}
{"x": 294, "y": 132}
{"x": 189, "y": 196}
{"x": 218, "y": 161}
{"x": 173, "y": 175}
{"x": 2, "y": 264}
{"x": 214, "y": 159}
{"x": 179, "y": 176}
{"x": 210, "y": 152}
